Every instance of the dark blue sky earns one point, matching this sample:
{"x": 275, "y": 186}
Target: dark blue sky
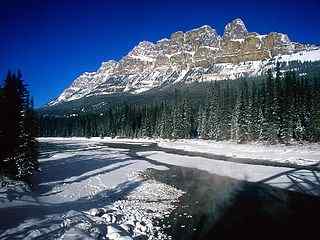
{"x": 54, "y": 41}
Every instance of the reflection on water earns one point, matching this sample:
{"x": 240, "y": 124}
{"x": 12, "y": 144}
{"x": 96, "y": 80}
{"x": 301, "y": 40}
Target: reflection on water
{"x": 216, "y": 207}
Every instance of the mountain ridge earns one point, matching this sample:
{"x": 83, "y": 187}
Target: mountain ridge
{"x": 200, "y": 54}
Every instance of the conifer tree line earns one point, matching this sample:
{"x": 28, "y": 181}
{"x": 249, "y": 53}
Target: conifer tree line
{"x": 18, "y": 129}
{"x": 275, "y": 108}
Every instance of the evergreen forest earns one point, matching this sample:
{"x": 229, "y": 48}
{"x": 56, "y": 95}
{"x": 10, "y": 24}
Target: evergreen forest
{"x": 278, "y": 107}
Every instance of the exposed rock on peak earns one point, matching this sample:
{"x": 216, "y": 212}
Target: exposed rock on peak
{"x": 144, "y": 51}
{"x": 142, "y": 46}
{"x": 199, "y": 54}
{"x": 202, "y": 36}
{"x": 235, "y": 30}
{"x": 177, "y": 35}
{"x": 107, "y": 67}
{"x": 108, "y": 64}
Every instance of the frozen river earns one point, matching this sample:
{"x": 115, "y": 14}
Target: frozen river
{"x": 149, "y": 191}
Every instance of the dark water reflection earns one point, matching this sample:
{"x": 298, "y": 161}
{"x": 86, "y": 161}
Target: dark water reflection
{"x": 216, "y": 207}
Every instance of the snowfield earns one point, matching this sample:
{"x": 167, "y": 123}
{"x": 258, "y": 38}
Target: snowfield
{"x": 93, "y": 189}
{"x": 86, "y": 191}
{"x": 299, "y": 154}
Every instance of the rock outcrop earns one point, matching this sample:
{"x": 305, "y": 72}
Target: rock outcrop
{"x": 199, "y": 54}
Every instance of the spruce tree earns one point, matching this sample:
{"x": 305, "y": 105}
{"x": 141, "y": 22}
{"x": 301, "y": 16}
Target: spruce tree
{"x": 3, "y": 151}
{"x": 19, "y": 129}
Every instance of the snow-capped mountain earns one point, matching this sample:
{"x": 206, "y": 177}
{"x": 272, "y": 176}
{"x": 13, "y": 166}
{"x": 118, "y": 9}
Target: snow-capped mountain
{"x": 197, "y": 55}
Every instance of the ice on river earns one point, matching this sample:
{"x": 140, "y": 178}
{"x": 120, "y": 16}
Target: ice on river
{"x": 91, "y": 188}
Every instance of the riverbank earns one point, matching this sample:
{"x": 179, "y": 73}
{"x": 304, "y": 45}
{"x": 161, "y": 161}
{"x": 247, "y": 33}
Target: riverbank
{"x": 140, "y": 190}
{"x": 295, "y": 154}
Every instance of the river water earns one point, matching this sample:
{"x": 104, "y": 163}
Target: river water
{"x": 216, "y": 207}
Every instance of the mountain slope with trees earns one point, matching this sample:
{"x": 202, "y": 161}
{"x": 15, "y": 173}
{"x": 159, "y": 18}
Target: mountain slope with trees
{"x": 275, "y": 108}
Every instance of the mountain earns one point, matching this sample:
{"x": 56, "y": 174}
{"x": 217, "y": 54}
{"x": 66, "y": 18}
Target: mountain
{"x": 197, "y": 55}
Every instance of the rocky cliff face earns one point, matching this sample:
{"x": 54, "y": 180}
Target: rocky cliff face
{"x": 197, "y": 55}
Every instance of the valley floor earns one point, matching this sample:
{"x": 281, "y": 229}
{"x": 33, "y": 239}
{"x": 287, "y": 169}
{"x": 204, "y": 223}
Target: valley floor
{"x": 97, "y": 188}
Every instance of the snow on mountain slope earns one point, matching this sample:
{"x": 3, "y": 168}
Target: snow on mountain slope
{"x": 196, "y": 55}
{"x": 83, "y": 85}
{"x": 303, "y": 56}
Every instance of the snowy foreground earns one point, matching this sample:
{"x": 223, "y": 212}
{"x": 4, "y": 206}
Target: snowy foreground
{"x": 93, "y": 189}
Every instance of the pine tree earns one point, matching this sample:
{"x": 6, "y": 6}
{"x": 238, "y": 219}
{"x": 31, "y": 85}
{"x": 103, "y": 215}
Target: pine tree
{"x": 31, "y": 127}
{"x": 187, "y": 119}
{"x": 178, "y": 124}
{"x": 13, "y": 123}
{"x": 19, "y": 129}
{"x": 239, "y": 131}
{"x": 165, "y": 125}
{"x": 235, "y": 128}
{"x": 300, "y": 131}
{"x": 3, "y": 151}
{"x": 262, "y": 122}
{"x": 214, "y": 114}
{"x": 202, "y": 123}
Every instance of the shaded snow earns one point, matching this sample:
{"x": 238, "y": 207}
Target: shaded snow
{"x": 88, "y": 189}
{"x": 247, "y": 172}
{"x": 301, "y": 154}
{"x": 77, "y": 177}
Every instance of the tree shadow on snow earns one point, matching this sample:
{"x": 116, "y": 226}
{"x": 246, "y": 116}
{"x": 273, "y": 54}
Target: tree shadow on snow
{"x": 299, "y": 180}
{"x": 216, "y": 207}
{"x": 68, "y": 170}
{"x": 18, "y": 214}
{"x": 74, "y": 169}
{"x": 80, "y": 167}
{"x": 140, "y": 147}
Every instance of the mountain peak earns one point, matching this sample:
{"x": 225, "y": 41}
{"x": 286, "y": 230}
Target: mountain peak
{"x": 235, "y": 30}
{"x": 196, "y": 55}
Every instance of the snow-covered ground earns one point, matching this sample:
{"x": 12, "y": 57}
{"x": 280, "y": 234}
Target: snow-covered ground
{"x": 300, "y": 154}
{"x": 91, "y": 188}
{"x": 86, "y": 190}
